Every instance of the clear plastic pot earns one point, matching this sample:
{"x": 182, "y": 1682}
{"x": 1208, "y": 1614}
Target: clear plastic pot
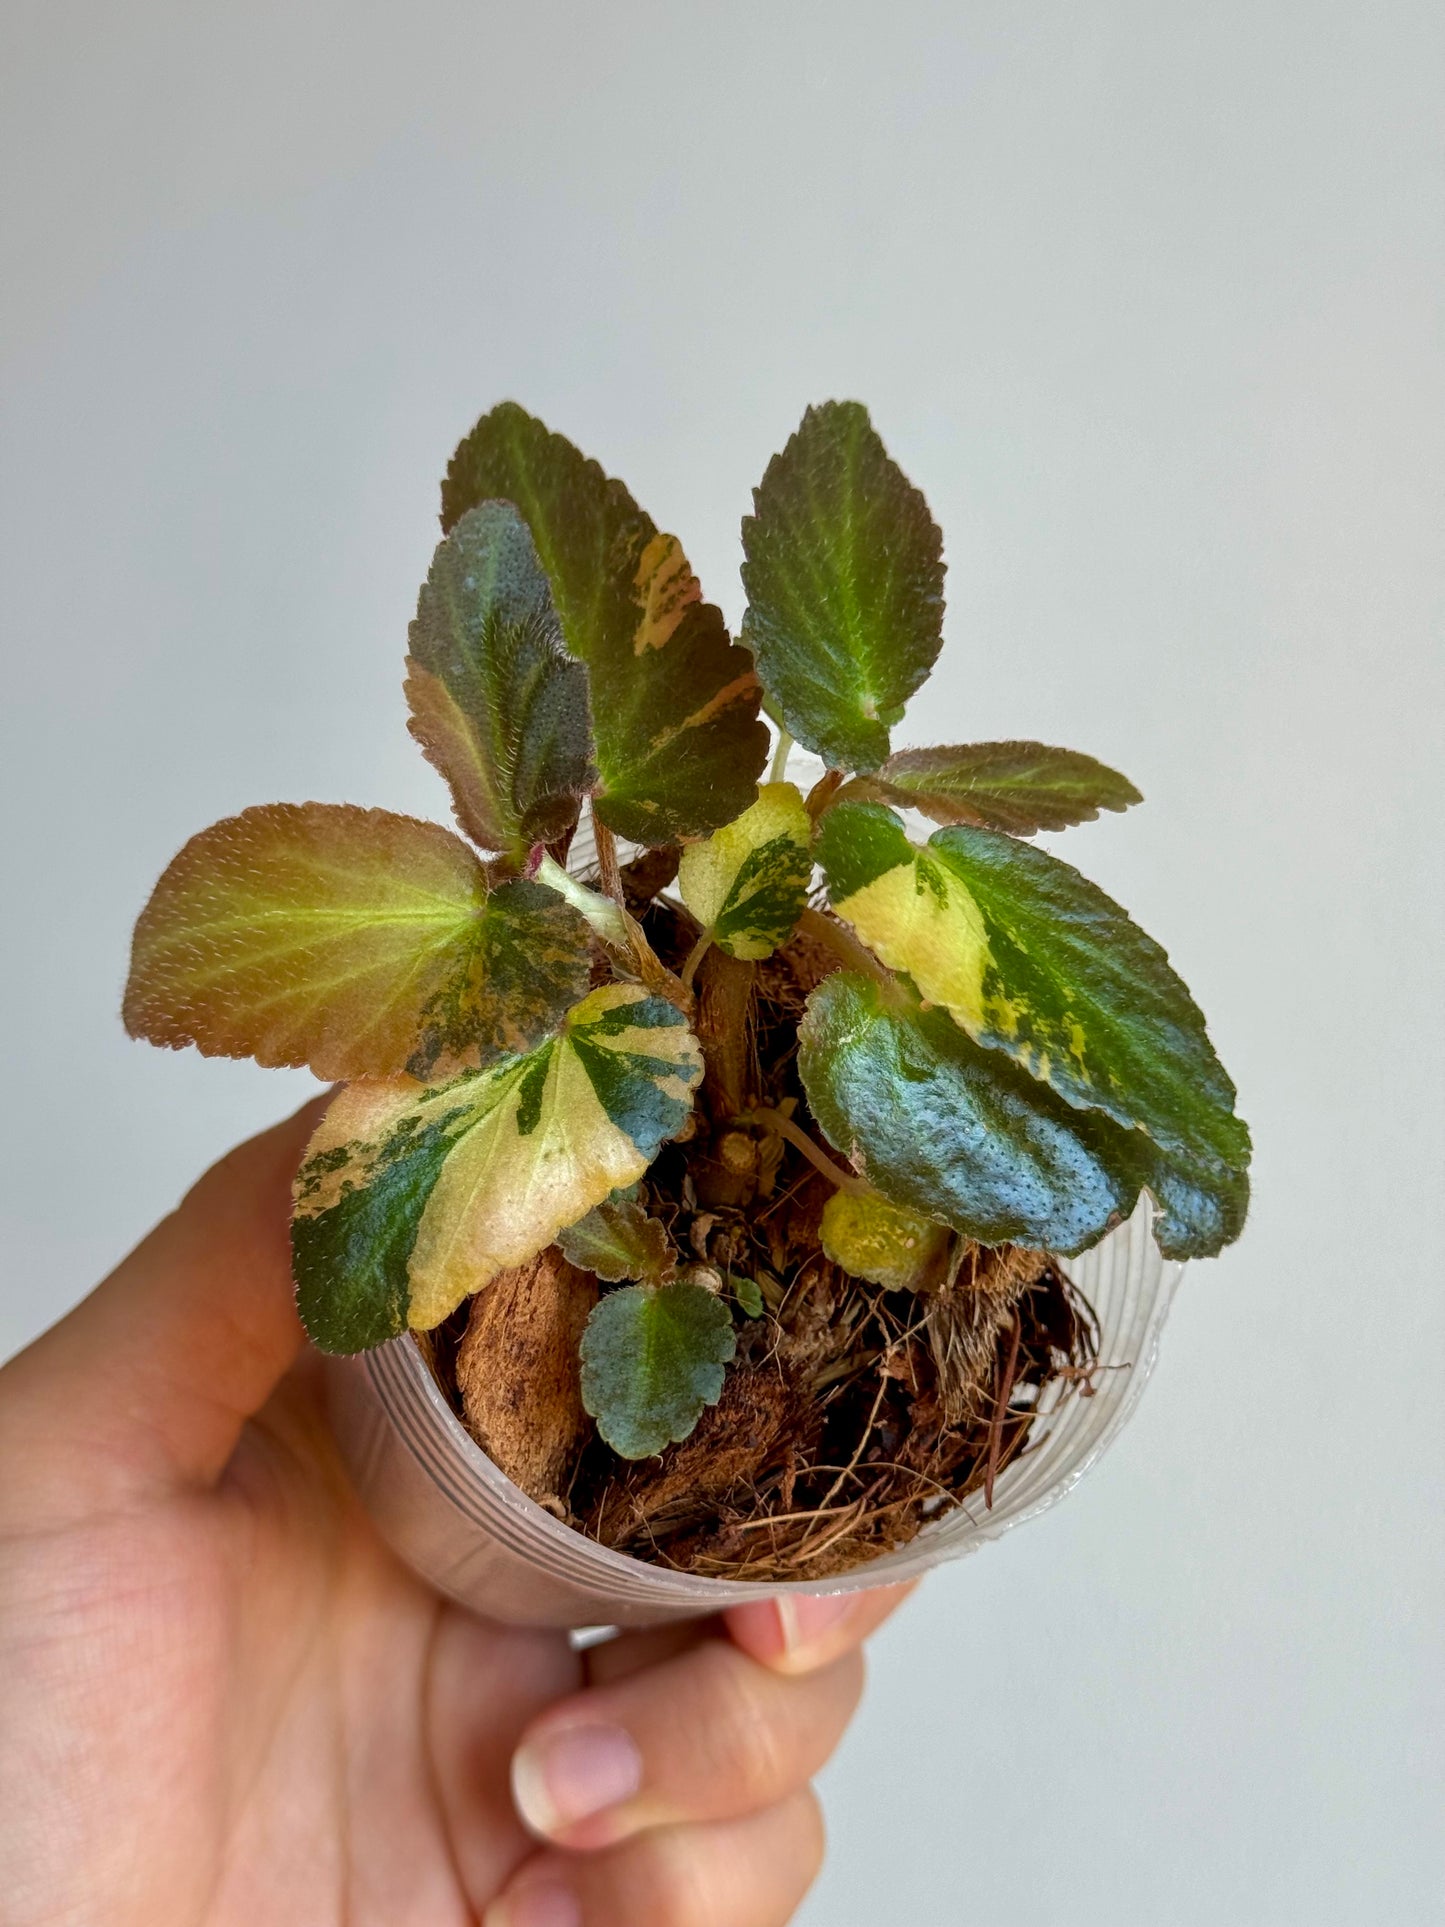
{"x": 446, "y": 1509}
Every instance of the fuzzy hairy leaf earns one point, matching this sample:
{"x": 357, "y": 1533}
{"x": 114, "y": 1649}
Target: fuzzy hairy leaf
{"x": 966, "y": 1137}
{"x": 496, "y": 702}
{"x": 883, "y": 1242}
{"x": 679, "y": 746}
{"x": 844, "y": 578}
{"x": 617, "y": 1240}
{"x": 651, "y": 1360}
{"x": 1034, "y": 960}
{"x": 748, "y": 884}
{"x": 354, "y": 941}
{"x": 409, "y": 1199}
{"x": 1017, "y": 787}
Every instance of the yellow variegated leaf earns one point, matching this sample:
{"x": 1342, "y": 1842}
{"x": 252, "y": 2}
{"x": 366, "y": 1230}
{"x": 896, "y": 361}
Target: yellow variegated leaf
{"x": 409, "y": 1199}
{"x": 882, "y": 1242}
{"x": 354, "y": 941}
{"x": 747, "y": 885}
{"x": 674, "y": 701}
{"x": 1032, "y": 959}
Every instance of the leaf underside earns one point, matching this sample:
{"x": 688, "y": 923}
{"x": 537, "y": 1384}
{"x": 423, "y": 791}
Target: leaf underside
{"x": 964, "y": 1136}
{"x": 748, "y": 884}
{"x": 651, "y": 1360}
{"x": 1019, "y": 788}
{"x": 844, "y": 578}
{"x": 497, "y": 704}
{"x": 357, "y": 942}
{"x": 409, "y": 1199}
{"x": 678, "y": 743}
{"x": 1035, "y": 961}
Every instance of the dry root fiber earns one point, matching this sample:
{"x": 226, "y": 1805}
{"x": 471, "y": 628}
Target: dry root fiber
{"x": 851, "y": 1417}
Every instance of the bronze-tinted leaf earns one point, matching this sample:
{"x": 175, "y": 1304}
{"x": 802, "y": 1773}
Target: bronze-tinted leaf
{"x": 354, "y": 941}
{"x": 497, "y": 703}
{"x": 1016, "y": 787}
{"x": 674, "y": 703}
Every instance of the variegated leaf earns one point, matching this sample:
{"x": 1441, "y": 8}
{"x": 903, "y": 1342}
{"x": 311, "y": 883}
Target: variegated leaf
{"x": 409, "y": 1199}
{"x": 675, "y": 704}
{"x": 616, "y": 1240}
{"x": 1034, "y": 960}
{"x": 882, "y": 1242}
{"x": 651, "y": 1360}
{"x": 747, "y": 884}
{"x": 964, "y": 1136}
{"x": 1016, "y": 787}
{"x": 354, "y": 941}
{"x": 496, "y": 702}
{"x": 844, "y": 576}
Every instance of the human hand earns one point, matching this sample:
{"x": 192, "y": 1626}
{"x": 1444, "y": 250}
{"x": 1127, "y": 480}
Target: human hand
{"x": 225, "y": 1702}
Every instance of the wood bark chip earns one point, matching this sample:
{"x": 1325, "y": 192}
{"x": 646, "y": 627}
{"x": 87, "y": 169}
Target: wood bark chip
{"x": 518, "y": 1373}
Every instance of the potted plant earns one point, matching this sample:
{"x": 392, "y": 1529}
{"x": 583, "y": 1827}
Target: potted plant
{"x": 724, "y": 1191}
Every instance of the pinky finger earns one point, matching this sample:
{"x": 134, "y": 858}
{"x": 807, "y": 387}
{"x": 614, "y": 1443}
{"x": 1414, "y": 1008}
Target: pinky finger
{"x": 740, "y": 1873}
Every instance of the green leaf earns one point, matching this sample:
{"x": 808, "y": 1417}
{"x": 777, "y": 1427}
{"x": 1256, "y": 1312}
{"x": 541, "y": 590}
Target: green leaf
{"x": 964, "y": 1136}
{"x": 844, "y": 577}
{"x": 882, "y": 1242}
{"x": 496, "y": 702}
{"x": 748, "y": 1293}
{"x": 675, "y": 703}
{"x": 651, "y": 1360}
{"x": 747, "y": 885}
{"x": 1034, "y": 960}
{"x": 409, "y": 1199}
{"x": 617, "y": 1240}
{"x": 1017, "y": 787}
{"x": 354, "y": 941}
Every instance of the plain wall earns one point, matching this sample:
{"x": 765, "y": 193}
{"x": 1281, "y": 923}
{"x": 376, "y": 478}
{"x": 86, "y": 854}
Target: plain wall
{"x": 1148, "y": 300}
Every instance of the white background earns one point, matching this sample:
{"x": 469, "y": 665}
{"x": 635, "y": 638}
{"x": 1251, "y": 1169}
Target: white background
{"x": 1148, "y": 300}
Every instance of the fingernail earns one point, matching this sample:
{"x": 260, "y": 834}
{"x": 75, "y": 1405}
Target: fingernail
{"x": 561, "y": 1778}
{"x": 805, "y": 1621}
{"x": 546, "y": 1906}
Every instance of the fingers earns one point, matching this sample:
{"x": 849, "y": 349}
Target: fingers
{"x": 705, "y": 1736}
{"x": 739, "y": 1873}
{"x": 151, "y": 1378}
{"x": 800, "y": 1631}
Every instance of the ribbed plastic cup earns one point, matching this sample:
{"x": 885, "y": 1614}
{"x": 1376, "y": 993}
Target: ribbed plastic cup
{"x": 442, "y": 1505}
{"x": 445, "y": 1508}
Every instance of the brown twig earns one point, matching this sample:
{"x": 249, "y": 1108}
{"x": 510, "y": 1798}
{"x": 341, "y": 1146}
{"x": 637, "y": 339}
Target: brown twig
{"x": 1005, "y": 1393}
{"x": 838, "y": 938}
{"x": 608, "y": 872}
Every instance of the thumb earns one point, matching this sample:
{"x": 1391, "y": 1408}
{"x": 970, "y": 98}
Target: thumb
{"x": 147, "y": 1383}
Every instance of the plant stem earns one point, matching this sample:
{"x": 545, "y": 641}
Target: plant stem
{"x": 784, "y": 1127}
{"x": 695, "y": 957}
{"x": 838, "y": 938}
{"x": 606, "y": 845}
{"x": 606, "y": 917}
{"x": 725, "y": 1031}
{"x": 821, "y": 796}
{"x": 780, "y": 756}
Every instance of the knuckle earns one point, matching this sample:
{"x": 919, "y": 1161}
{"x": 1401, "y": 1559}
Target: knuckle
{"x": 678, "y": 1893}
{"x": 751, "y": 1738}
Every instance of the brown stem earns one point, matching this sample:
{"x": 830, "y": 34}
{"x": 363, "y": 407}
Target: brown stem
{"x": 823, "y": 792}
{"x": 838, "y": 938}
{"x": 781, "y": 1126}
{"x": 609, "y": 874}
{"x": 724, "y": 1029}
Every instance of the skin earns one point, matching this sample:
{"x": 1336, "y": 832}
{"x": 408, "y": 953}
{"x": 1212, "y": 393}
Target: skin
{"x": 226, "y": 1703}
